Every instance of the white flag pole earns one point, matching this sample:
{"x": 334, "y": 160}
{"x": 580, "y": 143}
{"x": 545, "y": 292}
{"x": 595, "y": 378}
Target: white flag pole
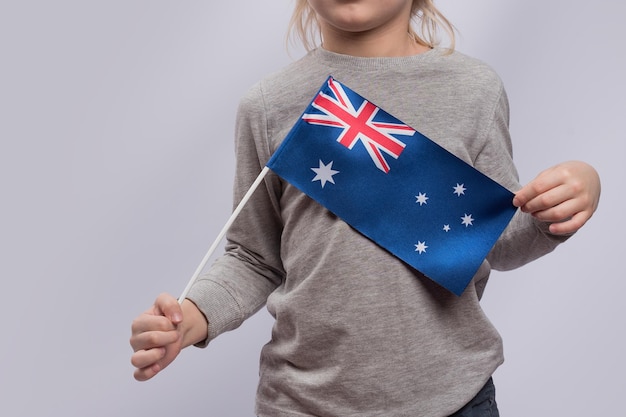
{"x": 220, "y": 236}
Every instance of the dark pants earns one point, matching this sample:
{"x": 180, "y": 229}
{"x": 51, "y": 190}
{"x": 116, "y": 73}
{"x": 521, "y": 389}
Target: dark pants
{"x": 482, "y": 405}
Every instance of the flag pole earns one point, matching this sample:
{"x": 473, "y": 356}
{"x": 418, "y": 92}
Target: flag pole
{"x": 220, "y": 236}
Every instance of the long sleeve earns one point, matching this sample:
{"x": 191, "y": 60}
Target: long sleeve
{"x": 237, "y": 284}
{"x": 525, "y": 239}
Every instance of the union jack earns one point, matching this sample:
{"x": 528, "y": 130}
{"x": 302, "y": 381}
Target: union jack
{"x": 358, "y": 124}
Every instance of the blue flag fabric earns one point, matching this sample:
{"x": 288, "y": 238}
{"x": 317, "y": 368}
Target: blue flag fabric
{"x": 395, "y": 186}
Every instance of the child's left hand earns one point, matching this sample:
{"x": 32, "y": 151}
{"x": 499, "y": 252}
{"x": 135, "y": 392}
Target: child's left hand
{"x": 566, "y": 195}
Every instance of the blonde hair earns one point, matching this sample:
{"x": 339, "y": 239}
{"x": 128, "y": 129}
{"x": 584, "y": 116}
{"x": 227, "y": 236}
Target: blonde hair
{"x": 305, "y": 27}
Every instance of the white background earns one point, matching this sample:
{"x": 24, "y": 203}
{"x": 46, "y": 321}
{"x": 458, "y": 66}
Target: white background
{"x": 116, "y": 161}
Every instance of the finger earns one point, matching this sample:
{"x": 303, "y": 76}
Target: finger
{"x": 146, "y": 358}
{"x": 571, "y": 225}
{"x": 542, "y": 183}
{"x": 144, "y": 374}
{"x": 546, "y": 200}
{"x": 148, "y": 322}
{"x": 554, "y": 206}
{"x": 150, "y": 362}
{"x": 154, "y": 339}
{"x": 169, "y": 307}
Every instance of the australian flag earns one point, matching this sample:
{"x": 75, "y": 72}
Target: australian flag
{"x": 395, "y": 186}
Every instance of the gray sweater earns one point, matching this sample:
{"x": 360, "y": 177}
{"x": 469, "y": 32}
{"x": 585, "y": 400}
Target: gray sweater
{"x": 357, "y": 332}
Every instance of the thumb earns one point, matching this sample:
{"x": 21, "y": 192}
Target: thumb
{"x": 168, "y": 306}
{"x": 528, "y": 192}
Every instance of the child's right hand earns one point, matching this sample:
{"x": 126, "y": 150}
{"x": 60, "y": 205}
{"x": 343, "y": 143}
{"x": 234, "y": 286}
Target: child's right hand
{"x": 156, "y": 337}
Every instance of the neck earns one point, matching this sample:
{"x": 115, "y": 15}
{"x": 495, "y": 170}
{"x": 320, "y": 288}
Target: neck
{"x": 375, "y": 43}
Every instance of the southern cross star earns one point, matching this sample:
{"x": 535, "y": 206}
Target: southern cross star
{"x": 421, "y": 198}
{"x": 420, "y": 247}
{"x": 459, "y": 189}
{"x": 467, "y": 220}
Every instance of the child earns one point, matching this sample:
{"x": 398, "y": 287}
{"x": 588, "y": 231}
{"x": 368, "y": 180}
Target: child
{"x": 358, "y": 332}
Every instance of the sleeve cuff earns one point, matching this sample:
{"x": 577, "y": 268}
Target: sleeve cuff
{"x": 220, "y": 308}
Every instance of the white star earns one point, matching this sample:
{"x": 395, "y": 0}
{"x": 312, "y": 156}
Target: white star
{"x": 459, "y": 189}
{"x": 324, "y": 173}
{"x": 420, "y": 247}
{"x": 421, "y": 198}
{"x": 467, "y": 220}
{"x": 446, "y": 227}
